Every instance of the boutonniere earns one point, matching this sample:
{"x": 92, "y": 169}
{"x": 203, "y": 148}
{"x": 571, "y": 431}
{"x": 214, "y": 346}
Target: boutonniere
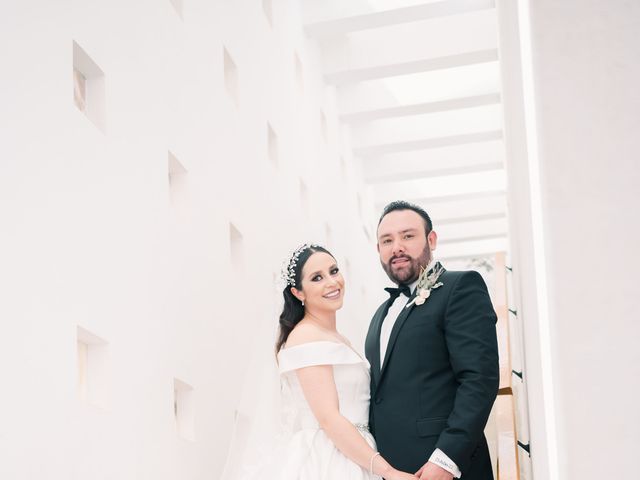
{"x": 427, "y": 281}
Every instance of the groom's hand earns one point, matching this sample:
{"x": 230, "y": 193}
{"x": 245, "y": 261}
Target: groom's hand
{"x": 431, "y": 471}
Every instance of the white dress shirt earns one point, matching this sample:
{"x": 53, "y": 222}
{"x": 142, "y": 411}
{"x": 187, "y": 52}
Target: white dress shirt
{"x": 438, "y": 456}
{"x": 390, "y": 320}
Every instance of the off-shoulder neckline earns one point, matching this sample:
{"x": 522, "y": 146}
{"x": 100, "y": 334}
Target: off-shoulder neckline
{"x": 323, "y": 341}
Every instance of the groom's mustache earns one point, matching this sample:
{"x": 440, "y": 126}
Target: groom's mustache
{"x": 399, "y": 257}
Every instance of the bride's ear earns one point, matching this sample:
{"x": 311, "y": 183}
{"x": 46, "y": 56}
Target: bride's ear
{"x": 297, "y": 293}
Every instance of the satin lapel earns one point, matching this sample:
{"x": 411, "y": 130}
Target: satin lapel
{"x": 394, "y": 334}
{"x": 395, "y": 331}
{"x": 373, "y": 344}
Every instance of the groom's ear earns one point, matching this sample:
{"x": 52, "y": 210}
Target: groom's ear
{"x": 432, "y": 239}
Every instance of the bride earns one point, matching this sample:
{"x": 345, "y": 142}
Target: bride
{"x": 325, "y": 383}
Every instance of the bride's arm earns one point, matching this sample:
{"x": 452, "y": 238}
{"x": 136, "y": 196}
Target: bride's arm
{"x": 320, "y": 392}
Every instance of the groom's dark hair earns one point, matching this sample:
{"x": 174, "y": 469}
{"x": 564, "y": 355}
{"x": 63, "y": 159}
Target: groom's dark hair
{"x": 404, "y": 205}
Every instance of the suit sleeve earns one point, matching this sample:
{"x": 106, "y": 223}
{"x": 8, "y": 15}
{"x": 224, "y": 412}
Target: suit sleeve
{"x": 470, "y": 335}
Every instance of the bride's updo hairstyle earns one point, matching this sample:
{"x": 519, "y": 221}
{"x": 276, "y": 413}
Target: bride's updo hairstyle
{"x": 293, "y": 310}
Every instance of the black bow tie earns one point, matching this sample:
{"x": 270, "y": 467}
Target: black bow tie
{"x": 395, "y": 292}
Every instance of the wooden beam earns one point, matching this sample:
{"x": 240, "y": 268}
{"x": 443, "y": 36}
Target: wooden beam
{"x": 508, "y": 468}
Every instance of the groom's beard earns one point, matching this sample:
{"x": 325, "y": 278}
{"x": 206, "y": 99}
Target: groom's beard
{"x": 410, "y": 272}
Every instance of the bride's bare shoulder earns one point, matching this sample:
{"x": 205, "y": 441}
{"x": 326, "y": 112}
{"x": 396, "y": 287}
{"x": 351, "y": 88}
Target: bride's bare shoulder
{"x": 305, "y": 332}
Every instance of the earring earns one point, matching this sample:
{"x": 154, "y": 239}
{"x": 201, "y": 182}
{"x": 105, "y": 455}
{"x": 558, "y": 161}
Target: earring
{"x": 302, "y": 302}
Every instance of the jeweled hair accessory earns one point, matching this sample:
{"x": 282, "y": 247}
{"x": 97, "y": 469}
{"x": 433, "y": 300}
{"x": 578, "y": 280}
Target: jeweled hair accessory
{"x": 288, "y": 273}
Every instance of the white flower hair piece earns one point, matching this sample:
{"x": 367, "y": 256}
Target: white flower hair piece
{"x": 288, "y": 273}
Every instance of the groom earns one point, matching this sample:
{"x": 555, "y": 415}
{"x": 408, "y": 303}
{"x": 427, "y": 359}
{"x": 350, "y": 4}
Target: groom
{"x": 434, "y": 357}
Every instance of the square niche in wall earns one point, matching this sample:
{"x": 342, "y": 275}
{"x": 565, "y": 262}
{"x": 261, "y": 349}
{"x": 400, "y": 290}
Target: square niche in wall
{"x": 328, "y": 236}
{"x": 177, "y": 177}
{"x": 343, "y": 167}
{"x": 79, "y": 90}
{"x": 88, "y": 87}
{"x": 230, "y": 76}
{"x": 236, "y": 249}
{"x": 267, "y": 8}
{"x": 367, "y": 234}
{"x": 298, "y": 71}
{"x": 184, "y": 409}
{"x": 177, "y": 6}
{"x": 93, "y": 368}
{"x": 304, "y": 199}
{"x": 323, "y": 127}
{"x": 272, "y": 145}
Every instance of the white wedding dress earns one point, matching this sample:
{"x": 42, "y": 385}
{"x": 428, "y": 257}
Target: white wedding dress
{"x": 303, "y": 451}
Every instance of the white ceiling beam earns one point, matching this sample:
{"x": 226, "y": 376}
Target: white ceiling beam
{"x": 422, "y": 190}
{"x": 428, "y": 87}
{"x": 464, "y": 196}
{"x": 470, "y": 231}
{"x": 460, "y": 209}
{"x": 472, "y": 218}
{"x": 418, "y": 161}
{"x": 410, "y": 42}
{"x": 374, "y": 150}
{"x": 427, "y": 126}
{"x": 472, "y": 249}
{"x": 428, "y": 173}
{"x": 473, "y": 238}
{"x": 342, "y": 26}
{"x": 448, "y": 198}
{"x": 414, "y": 66}
{"x": 421, "y": 108}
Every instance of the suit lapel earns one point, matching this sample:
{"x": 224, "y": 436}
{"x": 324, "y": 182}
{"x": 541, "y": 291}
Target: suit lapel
{"x": 372, "y": 345}
{"x": 394, "y": 334}
{"x": 379, "y": 372}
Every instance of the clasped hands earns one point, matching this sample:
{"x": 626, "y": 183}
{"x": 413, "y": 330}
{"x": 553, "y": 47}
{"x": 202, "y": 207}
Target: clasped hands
{"x": 429, "y": 471}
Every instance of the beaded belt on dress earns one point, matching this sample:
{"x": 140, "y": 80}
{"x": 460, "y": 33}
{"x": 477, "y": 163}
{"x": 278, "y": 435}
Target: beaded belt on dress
{"x": 363, "y": 427}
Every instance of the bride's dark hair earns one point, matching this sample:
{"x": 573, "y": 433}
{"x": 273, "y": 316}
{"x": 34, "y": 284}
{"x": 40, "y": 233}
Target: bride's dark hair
{"x": 293, "y": 310}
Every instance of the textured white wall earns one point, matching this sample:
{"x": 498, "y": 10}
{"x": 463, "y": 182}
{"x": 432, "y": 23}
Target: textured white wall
{"x": 90, "y": 237}
{"x": 585, "y": 70}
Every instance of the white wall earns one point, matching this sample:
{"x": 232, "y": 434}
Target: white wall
{"x": 584, "y": 69}
{"x": 93, "y": 237}
{"x": 587, "y": 71}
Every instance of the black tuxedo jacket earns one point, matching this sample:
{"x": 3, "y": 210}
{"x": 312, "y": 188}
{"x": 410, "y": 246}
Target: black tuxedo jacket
{"x": 439, "y": 379}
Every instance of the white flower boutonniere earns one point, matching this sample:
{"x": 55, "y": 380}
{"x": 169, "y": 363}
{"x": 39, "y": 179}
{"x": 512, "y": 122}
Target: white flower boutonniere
{"x": 427, "y": 281}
